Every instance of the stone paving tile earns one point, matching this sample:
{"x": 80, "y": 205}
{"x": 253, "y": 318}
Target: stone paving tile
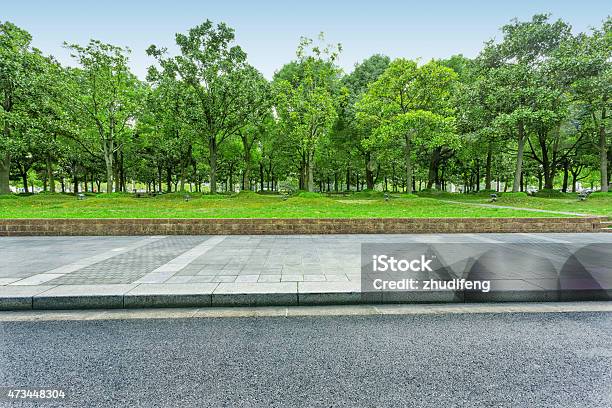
{"x": 314, "y": 278}
{"x": 88, "y": 290}
{"x": 205, "y": 272}
{"x": 269, "y": 278}
{"x": 292, "y": 278}
{"x": 247, "y": 278}
{"x": 132, "y": 265}
{"x": 336, "y": 277}
{"x": 9, "y": 291}
{"x": 271, "y": 271}
{"x": 224, "y": 278}
{"x": 179, "y": 279}
{"x": 268, "y": 259}
{"x": 201, "y": 279}
{"x": 6, "y": 281}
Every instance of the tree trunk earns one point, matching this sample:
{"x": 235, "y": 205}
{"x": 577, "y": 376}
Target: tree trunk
{"x": 212, "y": 145}
{"x": 408, "y": 160}
{"x": 108, "y": 160}
{"x": 432, "y": 175}
{"x": 603, "y": 157}
{"x": 477, "y": 175}
{"x": 488, "y": 166}
{"x": 516, "y": 185}
{"x": 168, "y": 180}
{"x": 182, "y": 179}
{"x": 4, "y": 174}
{"x": 369, "y": 174}
{"x": 261, "y": 176}
{"x": 50, "y": 176}
{"x": 565, "y": 176}
{"x": 348, "y": 177}
{"x": 24, "y": 178}
{"x": 310, "y": 171}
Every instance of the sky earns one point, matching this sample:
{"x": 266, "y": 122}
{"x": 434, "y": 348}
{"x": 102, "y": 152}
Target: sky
{"x": 269, "y": 31}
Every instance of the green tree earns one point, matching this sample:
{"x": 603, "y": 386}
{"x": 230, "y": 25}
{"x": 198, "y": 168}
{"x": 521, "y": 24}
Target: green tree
{"x": 20, "y": 64}
{"x": 410, "y": 105}
{"x": 351, "y": 133}
{"x": 103, "y": 96}
{"x": 586, "y": 61}
{"x": 307, "y": 102}
{"x": 214, "y": 72}
{"x": 519, "y": 91}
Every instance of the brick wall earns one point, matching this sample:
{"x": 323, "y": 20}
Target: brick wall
{"x": 161, "y": 226}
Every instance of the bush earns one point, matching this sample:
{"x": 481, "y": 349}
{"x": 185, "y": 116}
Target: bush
{"x": 518, "y": 194}
{"x": 550, "y": 193}
{"x": 483, "y": 193}
{"x": 368, "y": 194}
{"x": 307, "y": 194}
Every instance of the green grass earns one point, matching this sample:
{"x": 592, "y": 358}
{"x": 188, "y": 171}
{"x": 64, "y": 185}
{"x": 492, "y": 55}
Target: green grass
{"x": 595, "y": 204}
{"x": 247, "y": 205}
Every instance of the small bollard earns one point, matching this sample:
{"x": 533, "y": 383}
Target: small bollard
{"x": 80, "y": 196}
{"x": 187, "y": 197}
{"x": 582, "y": 196}
{"x": 386, "y": 197}
{"x": 493, "y": 198}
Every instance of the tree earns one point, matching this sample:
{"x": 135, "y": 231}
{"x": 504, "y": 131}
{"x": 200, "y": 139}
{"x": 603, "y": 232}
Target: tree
{"x": 214, "y": 72}
{"x": 516, "y": 68}
{"x": 19, "y": 66}
{"x": 350, "y": 131}
{"x": 587, "y": 64}
{"x": 410, "y": 104}
{"x": 103, "y": 95}
{"x": 307, "y": 102}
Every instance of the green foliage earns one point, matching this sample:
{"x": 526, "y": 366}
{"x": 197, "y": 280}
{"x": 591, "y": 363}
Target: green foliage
{"x": 550, "y": 193}
{"x": 532, "y": 108}
{"x": 518, "y": 194}
{"x": 308, "y": 194}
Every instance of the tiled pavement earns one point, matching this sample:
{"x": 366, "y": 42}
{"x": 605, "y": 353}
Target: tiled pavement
{"x": 122, "y": 271}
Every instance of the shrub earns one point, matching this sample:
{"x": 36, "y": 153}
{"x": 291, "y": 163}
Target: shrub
{"x": 484, "y": 193}
{"x": 368, "y": 194}
{"x": 518, "y": 194}
{"x": 307, "y": 194}
{"x": 550, "y": 193}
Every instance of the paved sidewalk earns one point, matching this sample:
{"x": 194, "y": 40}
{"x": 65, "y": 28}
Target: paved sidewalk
{"x": 125, "y": 272}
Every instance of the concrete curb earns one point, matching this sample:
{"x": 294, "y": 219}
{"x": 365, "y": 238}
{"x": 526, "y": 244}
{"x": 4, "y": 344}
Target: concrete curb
{"x": 44, "y": 301}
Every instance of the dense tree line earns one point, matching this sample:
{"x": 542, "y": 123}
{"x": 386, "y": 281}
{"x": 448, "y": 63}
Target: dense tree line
{"x": 532, "y": 109}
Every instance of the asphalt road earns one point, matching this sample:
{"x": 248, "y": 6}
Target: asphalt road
{"x": 450, "y": 360}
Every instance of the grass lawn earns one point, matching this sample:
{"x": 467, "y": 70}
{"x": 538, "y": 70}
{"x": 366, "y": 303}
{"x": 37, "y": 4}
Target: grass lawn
{"x": 595, "y": 204}
{"x": 251, "y": 205}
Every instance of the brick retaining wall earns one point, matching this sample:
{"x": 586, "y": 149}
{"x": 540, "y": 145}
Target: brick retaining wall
{"x": 224, "y": 226}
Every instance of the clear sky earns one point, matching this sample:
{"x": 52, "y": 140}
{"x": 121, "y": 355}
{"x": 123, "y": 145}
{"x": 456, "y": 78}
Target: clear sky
{"x": 269, "y": 30}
